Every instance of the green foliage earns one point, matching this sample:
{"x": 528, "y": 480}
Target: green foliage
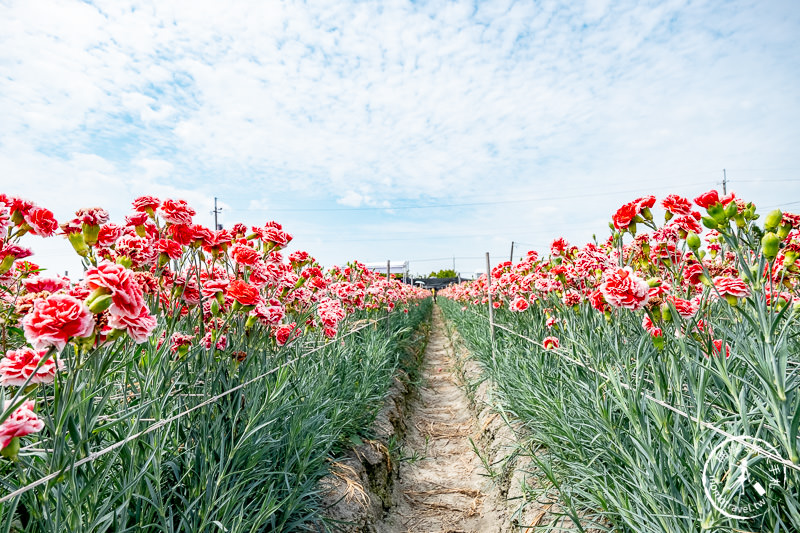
{"x": 619, "y": 458}
{"x": 444, "y": 273}
{"x": 247, "y": 461}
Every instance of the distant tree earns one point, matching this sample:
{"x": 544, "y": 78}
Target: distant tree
{"x": 445, "y": 273}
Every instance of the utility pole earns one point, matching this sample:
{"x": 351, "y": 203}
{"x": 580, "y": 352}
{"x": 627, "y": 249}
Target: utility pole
{"x": 216, "y": 211}
{"x": 454, "y": 263}
{"x": 724, "y": 183}
{"x": 512, "y": 252}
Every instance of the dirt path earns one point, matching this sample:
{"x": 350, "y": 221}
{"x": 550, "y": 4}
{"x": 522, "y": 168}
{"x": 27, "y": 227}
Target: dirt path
{"x": 440, "y": 487}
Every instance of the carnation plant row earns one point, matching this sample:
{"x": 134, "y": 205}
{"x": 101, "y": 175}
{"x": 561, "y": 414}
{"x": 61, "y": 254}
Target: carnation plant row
{"x": 656, "y": 372}
{"x": 190, "y": 380}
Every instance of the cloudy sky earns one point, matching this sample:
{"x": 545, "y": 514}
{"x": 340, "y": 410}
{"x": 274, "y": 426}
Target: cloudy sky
{"x": 417, "y": 131}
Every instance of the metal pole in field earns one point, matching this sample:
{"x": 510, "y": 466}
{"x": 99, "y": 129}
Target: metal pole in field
{"x": 512, "y": 252}
{"x": 491, "y": 307}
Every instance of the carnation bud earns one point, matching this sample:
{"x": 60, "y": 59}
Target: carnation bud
{"x": 11, "y": 451}
{"x": 125, "y": 261}
{"x": 668, "y": 216}
{"x": 770, "y": 244}
{"x": 739, "y": 218}
{"x": 693, "y": 241}
{"x": 141, "y": 231}
{"x": 91, "y": 233}
{"x": 789, "y": 258}
{"x": 658, "y": 341}
{"x": 709, "y": 222}
{"x": 250, "y": 322}
{"x": 666, "y": 312}
{"x": 717, "y": 212}
{"x": 214, "y": 308}
{"x": 163, "y": 259}
{"x": 783, "y": 230}
{"x": 99, "y": 300}
{"x": 731, "y": 209}
{"x": 773, "y": 219}
{"x": 6, "y": 264}
{"x": 647, "y": 214}
{"x": 78, "y": 243}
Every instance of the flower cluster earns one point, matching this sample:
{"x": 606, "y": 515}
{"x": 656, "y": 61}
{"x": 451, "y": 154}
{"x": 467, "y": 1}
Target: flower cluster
{"x": 161, "y": 267}
{"x": 673, "y": 271}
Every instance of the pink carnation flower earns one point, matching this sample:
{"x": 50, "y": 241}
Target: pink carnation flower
{"x": 19, "y": 365}
{"x": 22, "y": 421}
{"x": 55, "y": 320}
{"x": 139, "y": 328}
{"x": 126, "y": 294}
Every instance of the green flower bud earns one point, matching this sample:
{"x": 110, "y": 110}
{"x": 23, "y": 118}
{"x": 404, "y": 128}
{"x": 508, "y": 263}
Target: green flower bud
{"x": 709, "y": 222}
{"x": 731, "y": 209}
{"x": 666, "y": 312}
{"x": 693, "y": 240}
{"x": 783, "y": 230}
{"x": 99, "y": 300}
{"x": 773, "y": 219}
{"x": 78, "y": 243}
{"x": 90, "y": 233}
{"x": 717, "y": 212}
{"x": 6, "y": 264}
{"x": 12, "y": 450}
{"x": 770, "y": 245}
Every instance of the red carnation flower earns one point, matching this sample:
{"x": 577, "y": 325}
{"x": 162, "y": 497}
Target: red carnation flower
{"x": 708, "y": 199}
{"x": 677, "y": 205}
{"x": 172, "y": 249}
{"x": 244, "y": 255}
{"x": 284, "y": 334}
{"x": 177, "y": 212}
{"x": 40, "y": 221}
{"x": 55, "y": 320}
{"x": 144, "y": 204}
{"x": 624, "y": 288}
{"x": 243, "y": 293}
{"x": 92, "y": 216}
{"x": 136, "y": 219}
{"x": 519, "y": 304}
{"x": 685, "y": 308}
{"x": 550, "y": 343}
{"x": 734, "y": 287}
{"x": 183, "y": 234}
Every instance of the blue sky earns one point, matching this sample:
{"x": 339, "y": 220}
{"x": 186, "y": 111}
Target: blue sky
{"x": 398, "y": 130}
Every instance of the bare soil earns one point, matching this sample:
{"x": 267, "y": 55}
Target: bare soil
{"x": 440, "y": 487}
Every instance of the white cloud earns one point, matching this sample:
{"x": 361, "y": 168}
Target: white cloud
{"x": 377, "y": 103}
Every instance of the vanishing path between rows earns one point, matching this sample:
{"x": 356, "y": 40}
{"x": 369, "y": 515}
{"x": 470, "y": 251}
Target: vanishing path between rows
{"x": 440, "y": 484}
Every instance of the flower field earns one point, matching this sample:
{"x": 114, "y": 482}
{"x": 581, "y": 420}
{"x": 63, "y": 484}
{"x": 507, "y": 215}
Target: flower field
{"x": 656, "y": 373}
{"x": 192, "y": 380}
